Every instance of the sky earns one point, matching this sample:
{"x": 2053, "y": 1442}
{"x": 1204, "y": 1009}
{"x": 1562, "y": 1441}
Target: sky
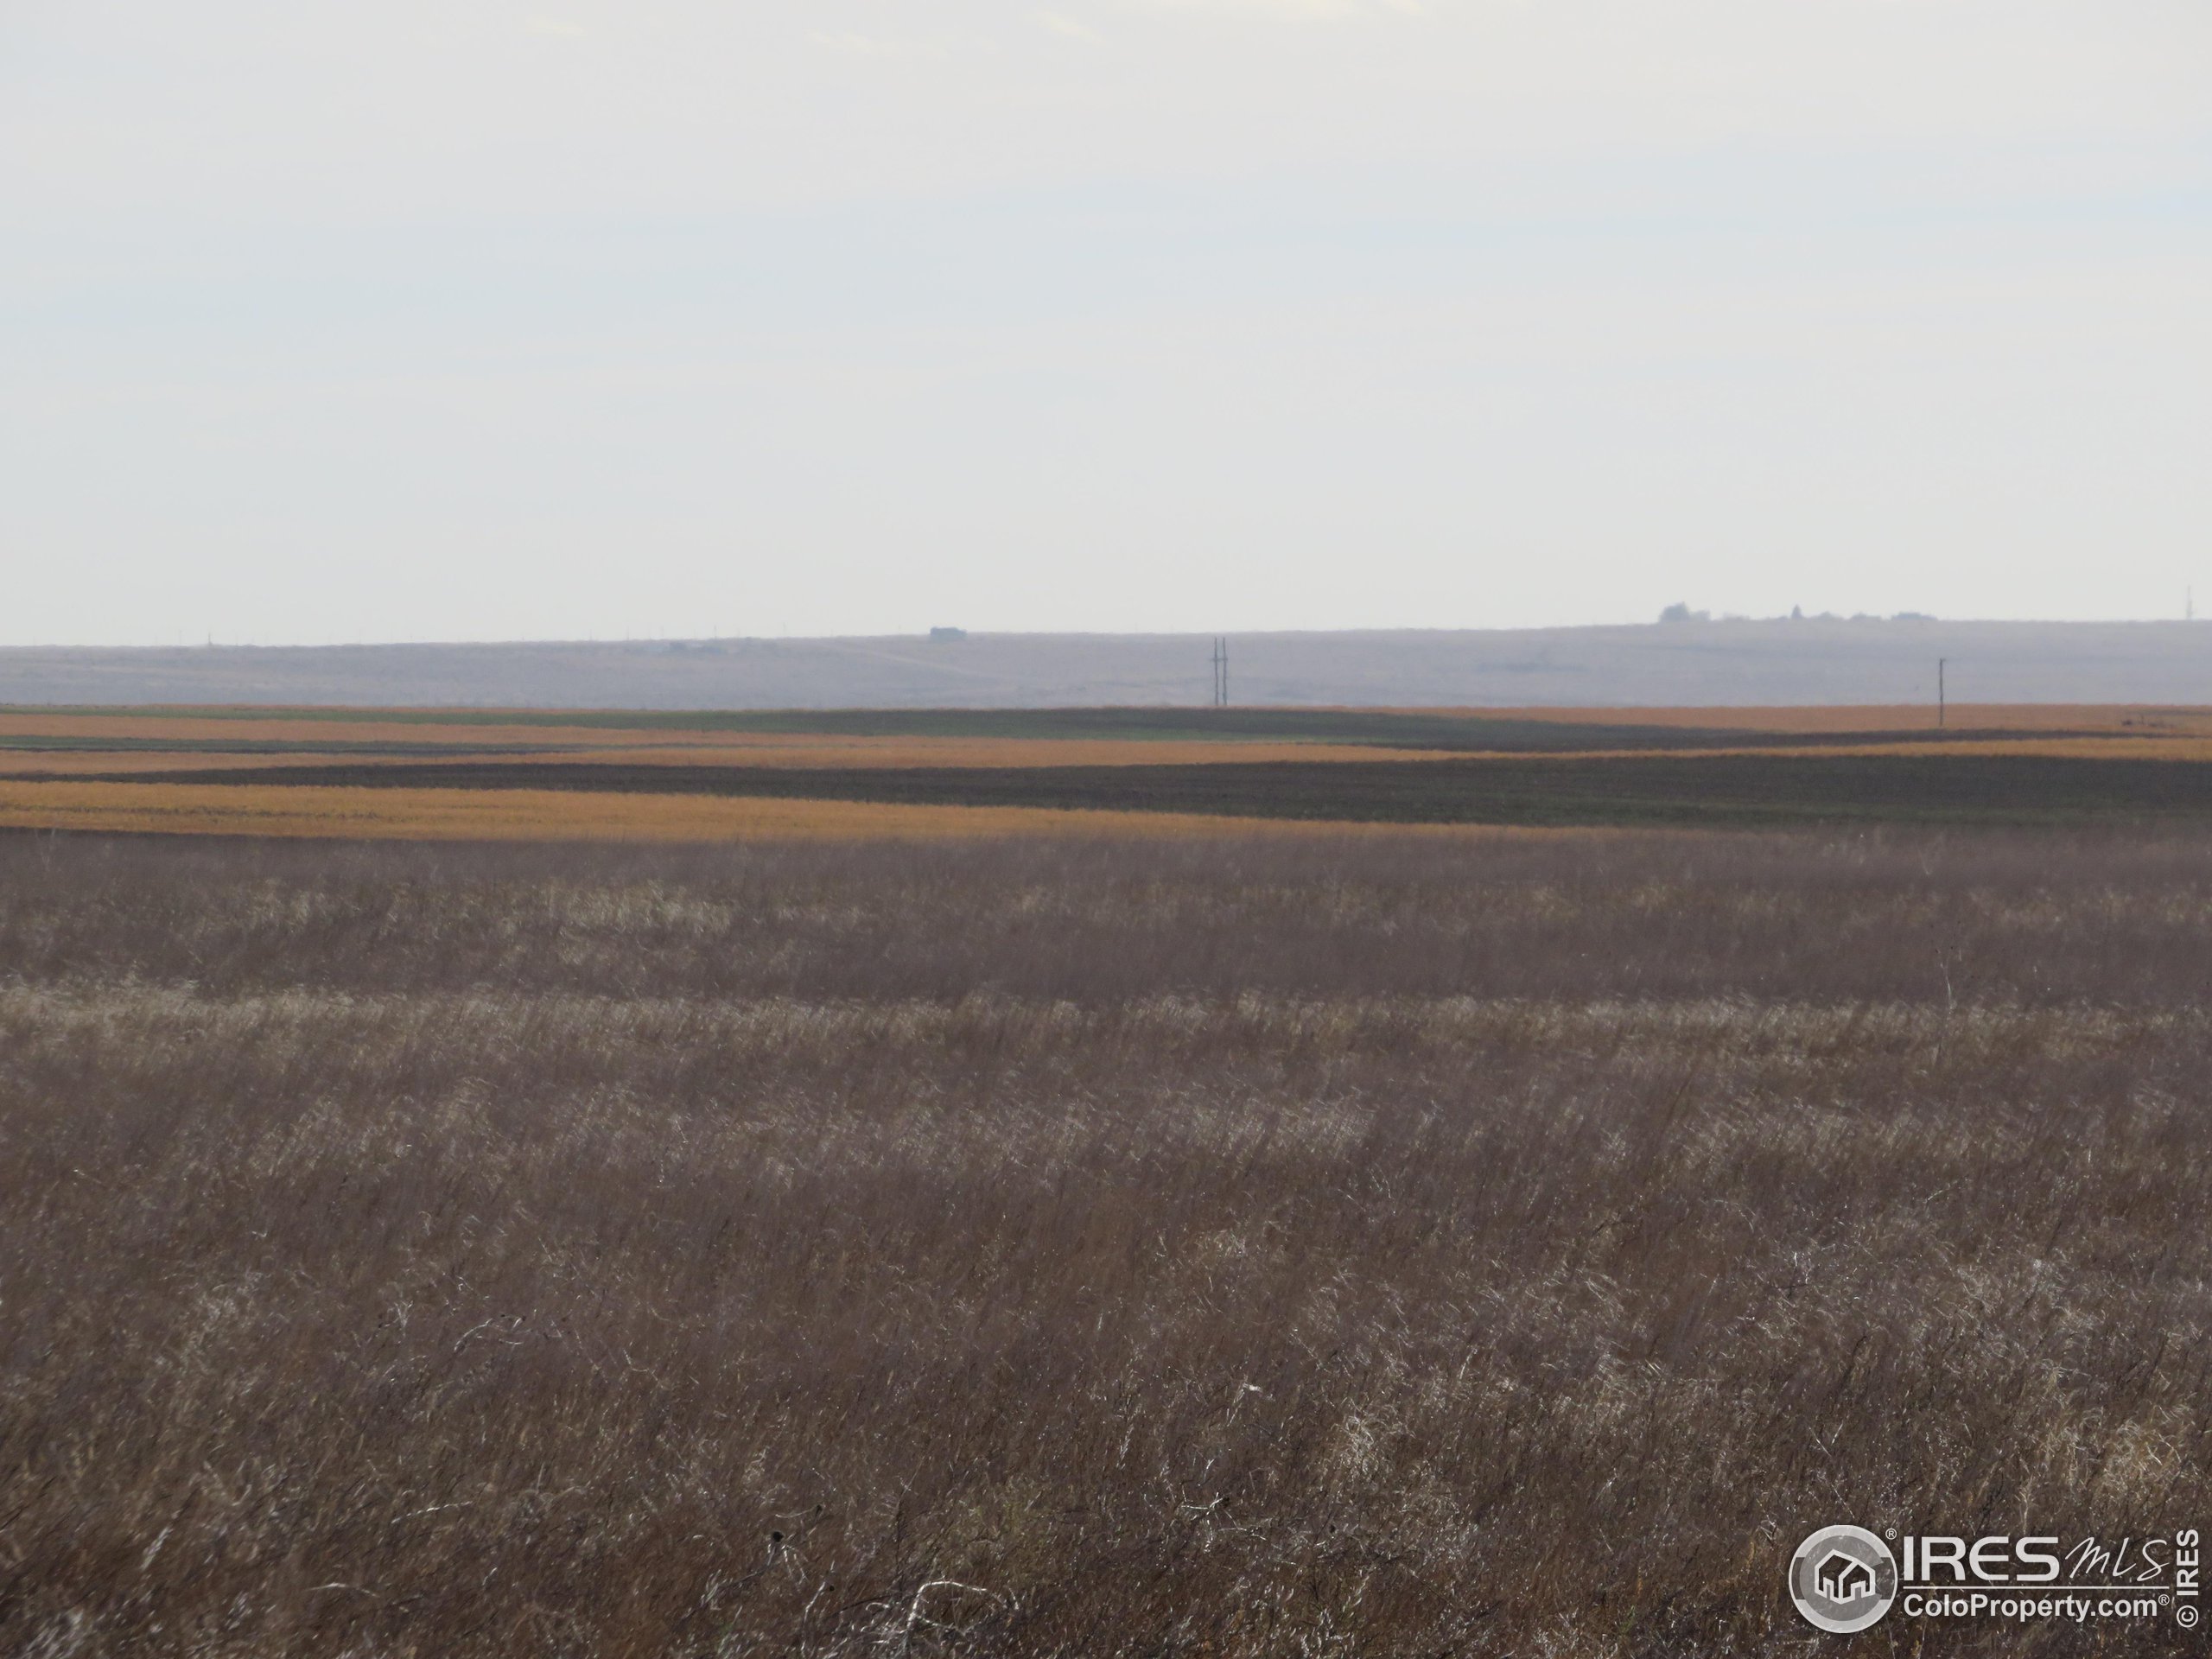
{"x": 462, "y": 320}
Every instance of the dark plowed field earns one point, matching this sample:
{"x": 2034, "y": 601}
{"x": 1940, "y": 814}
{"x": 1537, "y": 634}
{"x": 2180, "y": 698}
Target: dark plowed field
{"x": 1709, "y": 789}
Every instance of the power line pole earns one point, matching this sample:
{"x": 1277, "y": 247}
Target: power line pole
{"x": 1220, "y": 671}
{"x": 1940, "y": 711}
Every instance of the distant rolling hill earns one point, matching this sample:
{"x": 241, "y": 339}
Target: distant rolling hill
{"x": 1683, "y": 664}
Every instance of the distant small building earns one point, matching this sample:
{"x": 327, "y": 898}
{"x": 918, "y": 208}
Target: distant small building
{"x": 942, "y": 636}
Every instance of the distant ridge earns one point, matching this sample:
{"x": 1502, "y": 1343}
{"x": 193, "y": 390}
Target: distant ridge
{"x": 1697, "y": 662}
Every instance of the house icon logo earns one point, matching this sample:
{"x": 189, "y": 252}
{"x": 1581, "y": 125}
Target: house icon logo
{"x": 1843, "y": 1579}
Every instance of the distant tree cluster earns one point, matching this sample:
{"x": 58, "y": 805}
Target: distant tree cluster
{"x": 1682, "y": 612}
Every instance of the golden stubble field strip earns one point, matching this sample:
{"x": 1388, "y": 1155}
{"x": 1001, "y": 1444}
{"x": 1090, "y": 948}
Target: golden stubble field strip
{"x": 79, "y": 769}
{"x": 218, "y": 729}
{"x": 315, "y": 812}
{"x": 2119, "y": 719}
{"x": 166, "y": 741}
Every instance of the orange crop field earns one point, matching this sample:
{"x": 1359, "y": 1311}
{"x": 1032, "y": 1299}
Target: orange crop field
{"x": 309, "y": 740}
{"x": 411, "y": 774}
{"x": 555, "y": 814}
{"x": 2076, "y": 747}
{"x": 597, "y": 729}
{"x": 518, "y": 815}
{"x": 2117, "y": 718}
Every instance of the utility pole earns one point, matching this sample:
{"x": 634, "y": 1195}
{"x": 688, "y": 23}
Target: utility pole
{"x": 1940, "y": 711}
{"x": 1220, "y": 671}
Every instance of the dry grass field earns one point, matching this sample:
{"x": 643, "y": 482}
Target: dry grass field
{"x": 1254, "y": 1245}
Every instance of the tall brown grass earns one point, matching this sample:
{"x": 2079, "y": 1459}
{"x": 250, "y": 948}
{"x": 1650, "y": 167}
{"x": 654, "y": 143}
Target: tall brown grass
{"x": 1384, "y": 1246}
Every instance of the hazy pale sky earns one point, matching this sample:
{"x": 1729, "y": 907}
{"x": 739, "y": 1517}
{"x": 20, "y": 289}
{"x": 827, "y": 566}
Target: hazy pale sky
{"x": 467, "y": 320}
